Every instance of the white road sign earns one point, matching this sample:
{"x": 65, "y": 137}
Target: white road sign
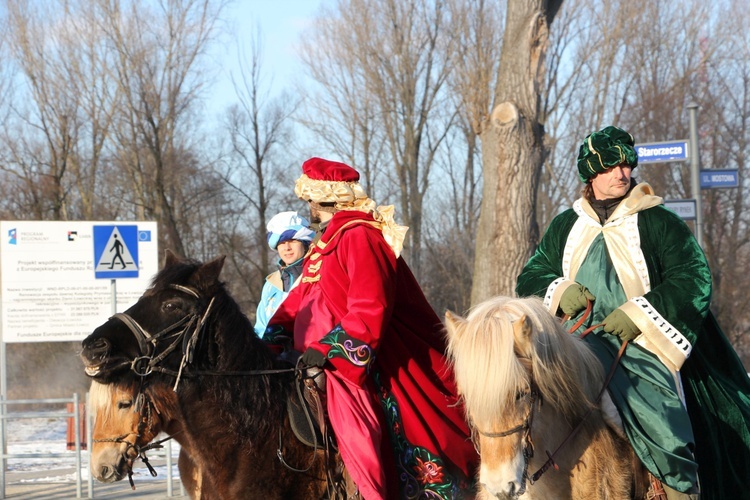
{"x": 48, "y": 286}
{"x": 684, "y": 208}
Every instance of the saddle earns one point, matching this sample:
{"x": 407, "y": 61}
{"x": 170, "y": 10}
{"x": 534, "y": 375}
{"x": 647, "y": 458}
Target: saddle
{"x": 306, "y": 405}
{"x": 307, "y": 410}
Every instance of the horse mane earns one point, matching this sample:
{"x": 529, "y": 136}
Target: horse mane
{"x": 491, "y": 368}
{"x": 229, "y": 344}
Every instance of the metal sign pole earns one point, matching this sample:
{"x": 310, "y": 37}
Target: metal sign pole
{"x": 3, "y": 409}
{"x": 695, "y": 183}
{"x": 113, "y": 288}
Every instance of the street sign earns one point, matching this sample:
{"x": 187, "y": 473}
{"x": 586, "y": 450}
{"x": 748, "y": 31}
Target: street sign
{"x": 715, "y": 178}
{"x": 656, "y": 152}
{"x": 116, "y": 251}
{"x": 684, "y": 208}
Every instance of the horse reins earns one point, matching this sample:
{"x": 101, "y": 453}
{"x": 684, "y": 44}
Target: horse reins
{"x": 145, "y": 363}
{"x": 551, "y": 456}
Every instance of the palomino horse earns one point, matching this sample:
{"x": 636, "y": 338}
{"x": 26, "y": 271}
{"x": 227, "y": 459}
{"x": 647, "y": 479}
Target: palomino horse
{"x": 530, "y": 387}
{"x": 187, "y": 360}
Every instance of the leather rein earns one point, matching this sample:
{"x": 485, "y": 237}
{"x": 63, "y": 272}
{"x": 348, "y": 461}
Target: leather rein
{"x": 185, "y": 331}
{"x": 533, "y": 395}
{"x": 180, "y": 333}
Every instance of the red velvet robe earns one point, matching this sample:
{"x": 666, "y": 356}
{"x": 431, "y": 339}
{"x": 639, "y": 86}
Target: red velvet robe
{"x": 362, "y": 307}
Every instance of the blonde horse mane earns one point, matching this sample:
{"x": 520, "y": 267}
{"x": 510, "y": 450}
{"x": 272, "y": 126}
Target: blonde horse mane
{"x": 491, "y": 365}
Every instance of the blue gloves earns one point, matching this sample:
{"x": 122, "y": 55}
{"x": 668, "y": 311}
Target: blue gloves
{"x": 574, "y": 299}
{"x": 618, "y": 323}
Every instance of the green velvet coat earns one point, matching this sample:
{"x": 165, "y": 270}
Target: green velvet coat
{"x": 664, "y": 259}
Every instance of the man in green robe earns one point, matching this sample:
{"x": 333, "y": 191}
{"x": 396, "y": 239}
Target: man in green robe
{"x": 680, "y": 388}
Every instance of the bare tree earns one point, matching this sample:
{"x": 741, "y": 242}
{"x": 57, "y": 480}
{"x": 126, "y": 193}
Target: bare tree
{"x": 341, "y": 113}
{"x": 513, "y": 151}
{"x": 398, "y": 58}
{"x": 722, "y": 91}
{"x": 56, "y": 144}
{"x": 158, "y": 52}
{"x": 256, "y": 167}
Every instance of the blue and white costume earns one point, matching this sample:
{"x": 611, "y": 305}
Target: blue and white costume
{"x": 282, "y": 227}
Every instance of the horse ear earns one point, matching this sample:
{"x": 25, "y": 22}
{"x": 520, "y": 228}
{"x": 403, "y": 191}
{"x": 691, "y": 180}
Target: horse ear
{"x": 522, "y": 327}
{"x": 170, "y": 258}
{"x": 454, "y": 323}
{"x": 209, "y": 272}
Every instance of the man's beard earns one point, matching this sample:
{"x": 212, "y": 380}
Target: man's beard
{"x": 314, "y": 215}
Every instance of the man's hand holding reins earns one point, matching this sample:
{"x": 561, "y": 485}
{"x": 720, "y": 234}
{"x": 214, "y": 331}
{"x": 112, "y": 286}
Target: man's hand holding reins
{"x": 618, "y": 323}
{"x": 575, "y": 299}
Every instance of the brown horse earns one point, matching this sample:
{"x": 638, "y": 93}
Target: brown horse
{"x": 527, "y": 385}
{"x": 187, "y": 359}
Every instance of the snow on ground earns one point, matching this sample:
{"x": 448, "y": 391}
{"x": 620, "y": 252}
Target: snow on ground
{"x": 49, "y": 435}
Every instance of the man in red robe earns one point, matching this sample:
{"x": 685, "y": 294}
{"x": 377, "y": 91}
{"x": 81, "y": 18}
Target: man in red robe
{"x": 360, "y": 314}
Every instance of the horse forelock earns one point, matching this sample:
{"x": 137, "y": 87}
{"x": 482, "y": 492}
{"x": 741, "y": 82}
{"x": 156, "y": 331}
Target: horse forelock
{"x": 486, "y": 369}
{"x": 489, "y": 362}
{"x": 102, "y": 398}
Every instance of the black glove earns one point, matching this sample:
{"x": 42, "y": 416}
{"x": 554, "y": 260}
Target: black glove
{"x": 618, "y": 323}
{"x": 311, "y": 357}
{"x": 574, "y": 299}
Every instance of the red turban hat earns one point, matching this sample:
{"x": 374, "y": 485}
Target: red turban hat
{"x": 331, "y": 171}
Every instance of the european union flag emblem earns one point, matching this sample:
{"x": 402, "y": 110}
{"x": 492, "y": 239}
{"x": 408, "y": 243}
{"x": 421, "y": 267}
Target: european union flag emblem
{"x": 144, "y": 235}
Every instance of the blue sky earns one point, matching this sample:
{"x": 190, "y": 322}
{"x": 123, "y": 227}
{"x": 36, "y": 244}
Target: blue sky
{"x": 281, "y": 23}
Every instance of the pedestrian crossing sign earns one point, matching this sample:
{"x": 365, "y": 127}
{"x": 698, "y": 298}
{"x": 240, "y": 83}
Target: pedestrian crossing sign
{"x": 115, "y": 252}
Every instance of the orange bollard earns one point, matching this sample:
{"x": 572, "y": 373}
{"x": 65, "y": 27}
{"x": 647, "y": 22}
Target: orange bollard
{"x": 71, "y": 432}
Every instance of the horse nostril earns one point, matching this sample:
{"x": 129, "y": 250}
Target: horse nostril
{"x": 105, "y": 472}
{"x": 99, "y": 345}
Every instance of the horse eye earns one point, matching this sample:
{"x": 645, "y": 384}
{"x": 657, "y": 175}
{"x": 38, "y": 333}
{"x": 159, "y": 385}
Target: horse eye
{"x": 171, "y": 306}
{"x": 123, "y": 405}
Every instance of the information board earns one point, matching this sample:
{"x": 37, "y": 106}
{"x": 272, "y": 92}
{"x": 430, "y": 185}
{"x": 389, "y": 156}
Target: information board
{"x": 48, "y": 286}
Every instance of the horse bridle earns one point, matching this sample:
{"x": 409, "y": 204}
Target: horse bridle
{"x": 146, "y": 363}
{"x": 525, "y": 426}
{"x": 532, "y": 395}
{"x": 140, "y": 451}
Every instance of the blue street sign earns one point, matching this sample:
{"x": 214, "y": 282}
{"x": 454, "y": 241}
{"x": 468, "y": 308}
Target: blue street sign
{"x": 656, "y": 152}
{"x": 715, "y": 178}
{"x": 115, "y": 252}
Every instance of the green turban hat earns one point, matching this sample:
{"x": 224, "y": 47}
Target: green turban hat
{"x": 607, "y": 148}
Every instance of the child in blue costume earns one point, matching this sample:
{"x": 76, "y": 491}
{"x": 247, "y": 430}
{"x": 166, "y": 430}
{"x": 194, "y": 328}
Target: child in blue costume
{"x": 290, "y": 235}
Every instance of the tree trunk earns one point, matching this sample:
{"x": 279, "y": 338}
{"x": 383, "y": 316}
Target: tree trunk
{"x": 513, "y": 152}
